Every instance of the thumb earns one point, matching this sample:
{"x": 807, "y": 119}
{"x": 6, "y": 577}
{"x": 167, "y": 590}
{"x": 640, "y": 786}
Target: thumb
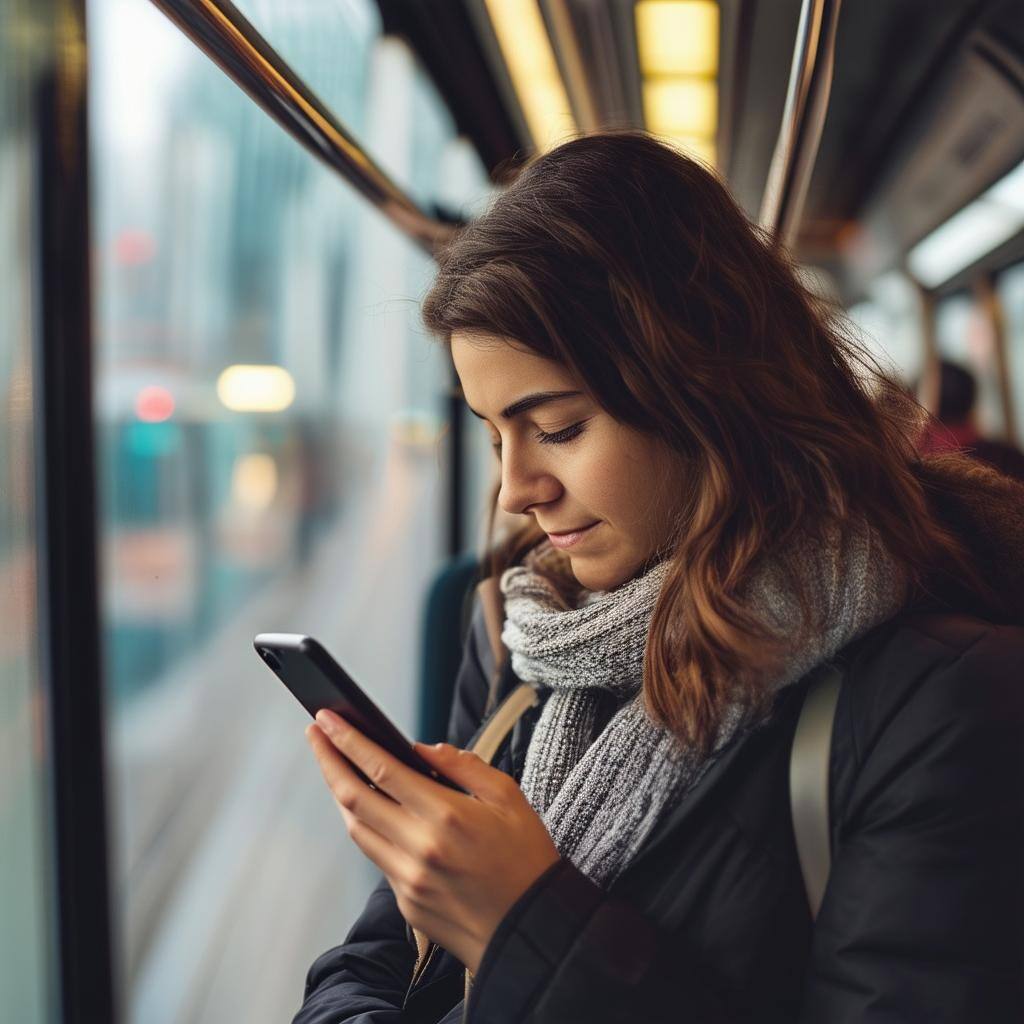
{"x": 469, "y": 770}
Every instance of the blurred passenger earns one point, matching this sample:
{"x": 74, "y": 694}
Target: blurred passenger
{"x": 713, "y": 506}
{"x": 955, "y": 426}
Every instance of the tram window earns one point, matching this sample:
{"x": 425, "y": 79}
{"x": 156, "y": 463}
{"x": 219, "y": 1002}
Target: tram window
{"x": 27, "y": 978}
{"x": 329, "y": 45}
{"x": 269, "y": 440}
{"x": 963, "y": 336}
{"x": 335, "y": 48}
{"x": 1010, "y": 291}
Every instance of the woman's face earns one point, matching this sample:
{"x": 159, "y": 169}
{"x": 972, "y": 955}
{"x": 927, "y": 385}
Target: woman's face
{"x": 567, "y": 463}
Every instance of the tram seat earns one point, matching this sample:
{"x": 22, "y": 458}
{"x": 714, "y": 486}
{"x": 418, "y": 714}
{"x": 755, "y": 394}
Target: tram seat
{"x": 445, "y": 624}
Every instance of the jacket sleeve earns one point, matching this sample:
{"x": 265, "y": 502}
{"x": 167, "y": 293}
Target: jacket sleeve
{"x": 923, "y": 916}
{"x": 567, "y": 952}
{"x": 364, "y": 980}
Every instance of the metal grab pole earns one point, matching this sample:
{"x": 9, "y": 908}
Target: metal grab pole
{"x": 221, "y": 31}
{"x": 803, "y": 118}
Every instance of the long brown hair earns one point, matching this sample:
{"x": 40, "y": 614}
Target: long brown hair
{"x": 633, "y": 267}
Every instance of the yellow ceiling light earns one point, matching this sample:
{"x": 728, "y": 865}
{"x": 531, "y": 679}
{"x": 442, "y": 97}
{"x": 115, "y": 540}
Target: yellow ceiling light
{"x": 677, "y": 37}
{"x": 677, "y": 43}
{"x": 247, "y": 388}
{"x": 531, "y": 64}
{"x": 681, "y": 106}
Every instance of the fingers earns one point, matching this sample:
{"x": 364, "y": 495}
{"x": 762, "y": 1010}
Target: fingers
{"x": 419, "y": 794}
{"x": 468, "y": 770}
{"x": 398, "y": 842}
{"x": 411, "y": 880}
{"x": 385, "y": 854}
{"x": 350, "y": 793}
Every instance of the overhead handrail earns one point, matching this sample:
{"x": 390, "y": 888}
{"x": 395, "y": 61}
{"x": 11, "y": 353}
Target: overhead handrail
{"x": 803, "y": 118}
{"x": 221, "y": 31}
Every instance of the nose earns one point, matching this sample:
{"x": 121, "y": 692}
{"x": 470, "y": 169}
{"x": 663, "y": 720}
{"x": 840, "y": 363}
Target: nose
{"x": 524, "y": 483}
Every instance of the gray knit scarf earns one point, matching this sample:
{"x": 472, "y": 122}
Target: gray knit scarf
{"x": 600, "y": 799}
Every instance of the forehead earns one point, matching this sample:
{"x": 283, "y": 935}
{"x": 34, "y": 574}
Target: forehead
{"x": 495, "y": 371}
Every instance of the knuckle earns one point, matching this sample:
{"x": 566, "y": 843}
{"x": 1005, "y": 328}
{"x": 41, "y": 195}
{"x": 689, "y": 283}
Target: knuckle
{"x": 377, "y": 772}
{"x": 417, "y": 884}
{"x": 433, "y": 854}
{"x": 348, "y": 800}
{"x": 448, "y": 819}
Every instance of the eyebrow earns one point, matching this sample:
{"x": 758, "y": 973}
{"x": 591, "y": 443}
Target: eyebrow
{"x": 510, "y": 412}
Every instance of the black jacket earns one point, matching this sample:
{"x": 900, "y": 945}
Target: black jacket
{"x": 922, "y": 920}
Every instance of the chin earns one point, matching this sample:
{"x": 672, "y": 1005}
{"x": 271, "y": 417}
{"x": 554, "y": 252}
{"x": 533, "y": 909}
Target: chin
{"x": 597, "y": 577}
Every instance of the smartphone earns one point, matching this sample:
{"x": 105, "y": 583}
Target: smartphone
{"x": 318, "y": 681}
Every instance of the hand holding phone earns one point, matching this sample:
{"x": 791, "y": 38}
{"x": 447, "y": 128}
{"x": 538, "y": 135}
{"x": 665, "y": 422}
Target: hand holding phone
{"x": 317, "y": 681}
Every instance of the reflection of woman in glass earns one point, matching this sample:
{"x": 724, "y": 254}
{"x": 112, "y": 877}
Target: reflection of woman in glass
{"x": 719, "y": 495}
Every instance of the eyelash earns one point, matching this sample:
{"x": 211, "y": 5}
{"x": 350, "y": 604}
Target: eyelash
{"x": 559, "y": 437}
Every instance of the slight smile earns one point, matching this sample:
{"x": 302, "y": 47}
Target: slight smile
{"x": 567, "y": 540}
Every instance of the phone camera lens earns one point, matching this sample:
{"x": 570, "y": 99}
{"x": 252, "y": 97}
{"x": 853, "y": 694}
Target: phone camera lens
{"x": 270, "y": 658}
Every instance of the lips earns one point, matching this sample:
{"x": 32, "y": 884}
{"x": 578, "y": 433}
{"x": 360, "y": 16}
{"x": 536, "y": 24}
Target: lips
{"x": 571, "y": 537}
{"x": 575, "y": 529}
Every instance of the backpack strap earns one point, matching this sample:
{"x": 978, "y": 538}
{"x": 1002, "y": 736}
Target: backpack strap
{"x": 489, "y": 739}
{"x": 810, "y": 756}
{"x": 485, "y": 746}
{"x": 808, "y": 780}
{"x": 809, "y": 759}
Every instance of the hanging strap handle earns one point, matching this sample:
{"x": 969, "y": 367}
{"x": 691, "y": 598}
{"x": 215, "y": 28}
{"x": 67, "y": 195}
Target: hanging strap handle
{"x": 808, "y": 781}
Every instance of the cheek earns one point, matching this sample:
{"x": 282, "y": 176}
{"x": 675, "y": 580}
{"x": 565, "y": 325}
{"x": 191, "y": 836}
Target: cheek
{"x": 617, "y": 488}
{"x": 644, "y": 494}
{"x": 602, "y": 484}
{"x": 625, "y": 480}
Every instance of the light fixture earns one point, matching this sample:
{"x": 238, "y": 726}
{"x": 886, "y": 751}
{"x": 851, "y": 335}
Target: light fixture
{"x": 677, "y": 50}
{"x": 531, "y": 64}
{"x": 993, "y": 218}
{"x": 677, "y": 37}
{"x": 247, "y": 388}
{"x": 687, "y": 106}
{"x": 154, "y": 404}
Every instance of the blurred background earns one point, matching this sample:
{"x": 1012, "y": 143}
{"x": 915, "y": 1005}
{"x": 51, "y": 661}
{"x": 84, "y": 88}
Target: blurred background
{"x": 219, "y": 414}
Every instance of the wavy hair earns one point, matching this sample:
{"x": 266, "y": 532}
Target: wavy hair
{"x": 632, "y": 266}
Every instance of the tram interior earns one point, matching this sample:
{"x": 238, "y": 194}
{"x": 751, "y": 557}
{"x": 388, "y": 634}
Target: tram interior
{"x": 273, "y": 427}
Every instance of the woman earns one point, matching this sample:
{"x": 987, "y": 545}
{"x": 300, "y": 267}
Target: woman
{"x": 743, "y": 504}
